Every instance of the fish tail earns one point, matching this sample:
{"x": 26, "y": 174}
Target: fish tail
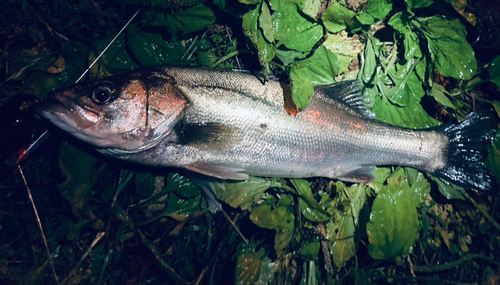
{"x": 469, "y": 142}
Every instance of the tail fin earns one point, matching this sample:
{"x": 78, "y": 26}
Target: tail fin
{"x": 470, "y": 141}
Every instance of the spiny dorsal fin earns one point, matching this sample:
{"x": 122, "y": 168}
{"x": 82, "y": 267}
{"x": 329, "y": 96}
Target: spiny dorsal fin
{"x": 209, "y": 136}
{"x": 350, "y": 94}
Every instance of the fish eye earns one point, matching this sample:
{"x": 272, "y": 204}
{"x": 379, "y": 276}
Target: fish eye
{"x": 102, "y": 95}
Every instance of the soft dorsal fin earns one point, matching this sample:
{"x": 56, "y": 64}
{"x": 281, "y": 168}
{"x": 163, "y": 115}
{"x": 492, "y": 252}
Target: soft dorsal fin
{"x": 350, "y": 94}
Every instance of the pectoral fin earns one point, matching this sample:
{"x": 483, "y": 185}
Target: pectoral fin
{"x": 209, "y": 136}
{"x": 358, "y": 175}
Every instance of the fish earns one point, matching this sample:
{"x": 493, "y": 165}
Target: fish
{"x": 228, "y": 124}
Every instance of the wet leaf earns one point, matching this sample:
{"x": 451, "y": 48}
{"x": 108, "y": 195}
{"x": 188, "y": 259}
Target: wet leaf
{"x": 266, "y": 51}
{"x": 266, "y": 23}
{"x": 293, "y": 30}
{"x": 319, "y": 69}
{"x": 144, "y": 184}
{"x": 411, "y": 116}
{"x": 419, "y": 186}
{"x": 401, "y": 23}
{"x": 308, "y": 206}
{"x": 381, "y": 173}
{"x": 179, "y": 206}
{"x": 247, "y": 269}
{"x": 190, "y": 20}
{"x": 378, "y": 8}
{"x": 181, "y": 185}
{"x": 345, "y": 48}
{"x": 335, "y": 17}
{"x": 274, "y": 214}
{"x": 449, "y": 190}
{"x": 439, "y": 93}
{"x": 151, "y": 49}
{"x": 393, "y": 226}
{"x": 342, "y": 228}
{"x": 80, "y": 177}
{"x": 368, "y": 63}
{"x": 244, "y": 194}
{"x": 451, "y": 53}
{"x": 365, "y": 18}
{"x": 310, "y": 250}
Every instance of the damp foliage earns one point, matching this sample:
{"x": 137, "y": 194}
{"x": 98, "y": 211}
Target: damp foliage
{"x": 108, "y": 222}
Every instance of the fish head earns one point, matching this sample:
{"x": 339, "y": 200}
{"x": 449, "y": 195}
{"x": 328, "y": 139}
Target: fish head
{"x": 127, "y": 113}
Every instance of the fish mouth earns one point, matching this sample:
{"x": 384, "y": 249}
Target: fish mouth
{"x": 65, "y": 112}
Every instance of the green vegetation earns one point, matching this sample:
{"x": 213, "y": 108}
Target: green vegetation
{"x": 142, "y": 225}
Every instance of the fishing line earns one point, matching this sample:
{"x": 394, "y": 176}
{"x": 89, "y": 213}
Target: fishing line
{"x": 110, "y": 43}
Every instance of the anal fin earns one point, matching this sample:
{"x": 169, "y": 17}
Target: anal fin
{"x": 218, "y": 171}
{"x": 359, "y": 175}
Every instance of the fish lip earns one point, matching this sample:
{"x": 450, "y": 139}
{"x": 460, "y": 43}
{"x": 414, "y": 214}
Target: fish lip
{"x": 60, "y": 106}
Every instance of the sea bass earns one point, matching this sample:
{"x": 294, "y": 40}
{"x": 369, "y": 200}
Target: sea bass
{"x": 232, "y": 124}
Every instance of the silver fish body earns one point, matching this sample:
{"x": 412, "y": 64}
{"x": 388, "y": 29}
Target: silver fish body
{"x": 229, "y": 125}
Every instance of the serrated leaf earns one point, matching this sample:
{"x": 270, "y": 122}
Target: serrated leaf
{"x": 335, "y": 17}
{"x": 319, "y": 69}
{"x": 266, "y": 23}
{"x": 345, "y": 48}
{"x": 410, "y": 116}
{"x": 247, "y": 269}
{"x": 365, "y": 18}
{"x": 378, "y": 8}
{"x": 419, "y": 186}
{"x": 393, "y": 226}
{"x": 449, "y": 190}
{"x": 451, "y": 53}
{"x": 308, "y": 206}
{"x": 190, "y": 20}
{"x": 274, "y": 214}
{"x": 151, "y": 49}
{"x": 293, "y": 30}
{"x": 381, "y": 173}
{"x": 438, "y": 92}
{"x": 343, "y": 226}
{"x": 244, "y": 194}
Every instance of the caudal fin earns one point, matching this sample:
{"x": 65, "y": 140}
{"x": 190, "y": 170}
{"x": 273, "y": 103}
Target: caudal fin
{"x": 470, "y": 141}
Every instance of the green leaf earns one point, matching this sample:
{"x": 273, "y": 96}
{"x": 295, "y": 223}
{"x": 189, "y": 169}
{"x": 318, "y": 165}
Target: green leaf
{"x": 378, "y": 8}
{"x": 179, "y": 206}
{"x": 151, "y": 49}
{"x": 410, "y": 116}
{"x": 308, "y": 206}
{"x": 310, "y": 250}
{"x": 181, "y": 185}
{"x": 413, "y": 4}
{"x": 365, "y": 18}
{"x": 247, "y": 269}
{"x": 250, "y": 2}
{"x": 420, "y": 186}
{"x": 335, "y": 16}
{"x": 451, "y": 53}
{"x": 187, "y": 21}
{"x": 289, "y": 56}
{"x": 438, "y": 92}
{"x": 400, "y": 22}
{"x": 80, "y": 177}
{"x": 345, "y": 48}
{"x": 368, "y": 63}
{"x": 493, "y": 160}
{"x": 294, "y": 31}
{"x": 342, "y": 228}
{"x": 244, "y": 194}
{"x": 273, "y": 214}
{"x": 266, "y": 51}
{"x": 144, "y": 184}
{"x": 381, "y": 173}
{"x": 207, "y": 58}
{"x": 449, "y": 190}
{"x": 266, "y": 23}
{"x": 311, "y": 8}
{"x": 319, "y": 69}
{"x": 393, "y": 226}
{"x": 494, "y": 71}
